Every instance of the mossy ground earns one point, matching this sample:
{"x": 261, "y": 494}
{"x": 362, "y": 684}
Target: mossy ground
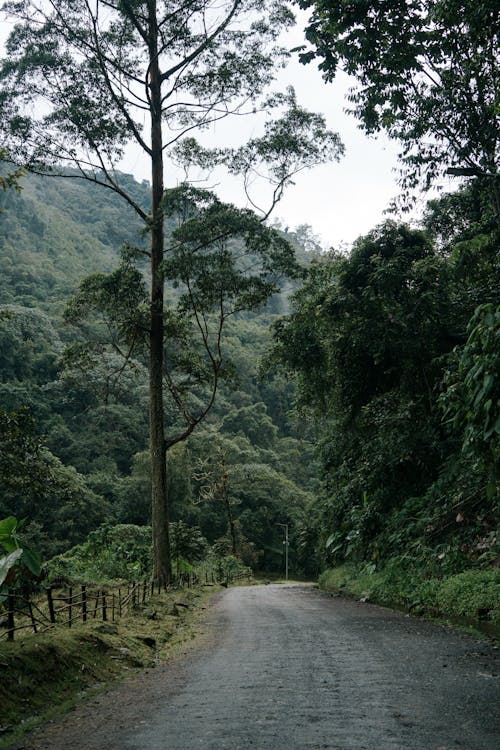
{"x": 468, "y": 598}
{"x": 45, "y": 674}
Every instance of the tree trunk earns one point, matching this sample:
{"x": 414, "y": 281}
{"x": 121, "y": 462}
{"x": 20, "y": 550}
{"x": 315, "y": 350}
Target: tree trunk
{"x": 230, "y": 518}
{"x": 232, "y": 527}
{"x": 159, "y": 500}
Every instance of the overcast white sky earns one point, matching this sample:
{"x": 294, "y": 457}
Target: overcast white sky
{"x": 343, "y": 199}
{"x": 340, "y": 200}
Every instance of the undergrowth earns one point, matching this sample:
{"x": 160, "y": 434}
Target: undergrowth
{"x": 472, "y": 596}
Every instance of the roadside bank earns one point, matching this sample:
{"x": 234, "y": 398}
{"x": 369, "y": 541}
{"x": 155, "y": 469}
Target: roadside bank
{"x": 470, "y": 598}
{"x": 47, "y": 674}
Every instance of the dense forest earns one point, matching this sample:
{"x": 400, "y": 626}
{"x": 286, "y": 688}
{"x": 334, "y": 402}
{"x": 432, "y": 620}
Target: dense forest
{"x": 75, "y": 435}
{"x": 158, "y": 345}
{"x": 396, "y": 347}
{"x": 396, "y": 350}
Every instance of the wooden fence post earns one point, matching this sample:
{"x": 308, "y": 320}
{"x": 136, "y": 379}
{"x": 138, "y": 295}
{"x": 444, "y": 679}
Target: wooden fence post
{"x": 10, "y": 616}
{"x": 32, "y": 617}
{"x": 113, "y": 606}
{"x": 70, "y": 608}
{"x": 84, "y": 603}
{"x": 119, "y": 602}
{"x": 144, "y": 592}
{"x": 50, "y": 601}
{"x": 104, "y": 611}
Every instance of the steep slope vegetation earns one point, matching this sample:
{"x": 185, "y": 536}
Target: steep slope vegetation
{"x": 88, "y": 430}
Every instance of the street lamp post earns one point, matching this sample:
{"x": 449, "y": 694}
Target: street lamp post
{"x": 285, "y": 526}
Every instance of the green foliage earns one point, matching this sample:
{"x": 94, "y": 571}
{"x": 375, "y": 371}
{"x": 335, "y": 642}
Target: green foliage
{"x": 109, "y": 552}
{"x": 253, "y": 422}
{"x": 374, "y": 324}
{"x": 464, "y": 214}
{"x": 373, "y": 339}
{"x": 201, "y": 257}
{"x": 365, "y": 324}
{"x": 472, "y": 399}
{"x": 470, "y": 597}
{"x": 51, "y": 236}
{"x": 297, "y": 140}
{"x": 416, "y": 65}
{"x": 21, "y": 562}
{"x": 221, "y": 262}
{"x": 243, "y": 490}
{"x": 123, "y": 551}
{"x": 7, "y": 565}
{"x": 35, "y": 485}
{"x": 188, "y": 544}
{"x": 29, "y": 344}
{"x": 472, "y": 593}
{"x": 24, "y": 472}
{"x": 133, "y": 492}
{"x": 10, "y": 175}
{"x": 223, "y": 566}
{"x": 120, "y": 297}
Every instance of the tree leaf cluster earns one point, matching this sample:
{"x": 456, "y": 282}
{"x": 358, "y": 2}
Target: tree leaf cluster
{"x": 383, "y": 341}
{"x": 426, "y": 73}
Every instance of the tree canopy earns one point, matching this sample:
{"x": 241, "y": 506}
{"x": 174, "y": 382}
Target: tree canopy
{"x": 426, "y": 72}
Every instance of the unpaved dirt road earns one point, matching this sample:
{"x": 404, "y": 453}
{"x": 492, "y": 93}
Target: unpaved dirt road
{"x": 289, "y": 667}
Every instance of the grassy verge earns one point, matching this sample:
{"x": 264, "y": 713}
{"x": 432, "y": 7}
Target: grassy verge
{"x": 47, "y": 674}
{"x": 468, "y": 598}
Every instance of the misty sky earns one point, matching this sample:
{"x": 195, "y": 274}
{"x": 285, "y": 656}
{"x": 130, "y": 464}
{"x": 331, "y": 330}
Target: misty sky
{"x": 340, "y": 200}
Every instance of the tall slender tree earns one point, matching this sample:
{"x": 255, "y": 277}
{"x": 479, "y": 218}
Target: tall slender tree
{"x": 85, "y": 78}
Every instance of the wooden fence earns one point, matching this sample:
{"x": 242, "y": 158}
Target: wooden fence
{"x": 83, "y": 603}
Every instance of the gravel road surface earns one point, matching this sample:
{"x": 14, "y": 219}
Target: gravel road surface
{"x": 289, "y": 667}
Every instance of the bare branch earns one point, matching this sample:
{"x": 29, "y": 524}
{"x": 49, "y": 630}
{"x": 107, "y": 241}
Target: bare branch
{"x": 205, "y": 44}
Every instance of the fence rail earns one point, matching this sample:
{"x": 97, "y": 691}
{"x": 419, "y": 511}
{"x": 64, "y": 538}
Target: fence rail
{"x": 86, "y": 602}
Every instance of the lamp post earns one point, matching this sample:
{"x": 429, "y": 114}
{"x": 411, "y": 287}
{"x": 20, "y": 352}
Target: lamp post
{"x": 285, "y": 526}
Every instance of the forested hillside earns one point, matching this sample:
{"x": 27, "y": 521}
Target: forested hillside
{"x": 138, "y": 366}
{"x": 395, "y": 347}
{"x": 397, "y": 351}
{"x": 56, "y": 232}
{"x": 86, "y": 428}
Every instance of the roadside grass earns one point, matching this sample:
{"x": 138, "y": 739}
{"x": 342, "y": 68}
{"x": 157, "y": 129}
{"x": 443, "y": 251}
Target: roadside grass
{"x": 47, "y": 674}
{"x": 471, "y": 598}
